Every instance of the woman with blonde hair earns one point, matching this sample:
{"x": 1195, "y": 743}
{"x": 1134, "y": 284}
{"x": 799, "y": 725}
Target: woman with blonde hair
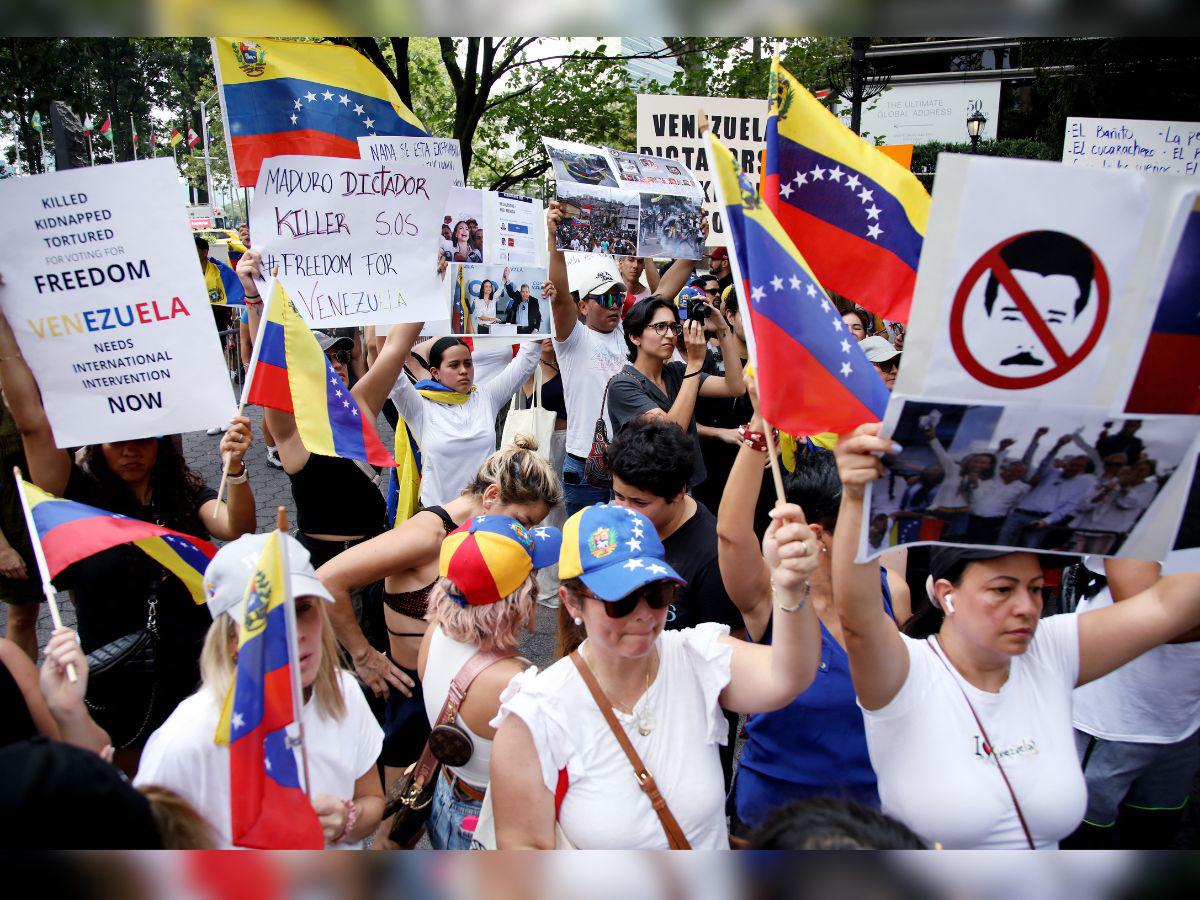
{"x": 513, "y": 482}
{"x": 340, "y": 734}
{"x": 479, "y": 609}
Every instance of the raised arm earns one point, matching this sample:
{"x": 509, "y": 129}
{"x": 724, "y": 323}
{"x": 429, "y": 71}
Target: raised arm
{"x": 563, "y": 309}
{"x": 1163, "y": 612}
{"x": 746, "y": 574}
{"x": 733, "y": 384}
{"x": 766, "y": 678}
{"x": 650, "y": 268}
{"x": 500, "y": 388}
{"x": 1089, "y": 451}
{"x": 373, "y": 388}
{"x": 49, "y": 467}
{"x": 878, "y": 657}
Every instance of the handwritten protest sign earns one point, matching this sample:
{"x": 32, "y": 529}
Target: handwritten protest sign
{"x": 443, "y": 154}
{"x": 105, "y": 295}
{"x": 353, "y": 240}
{"x": 1140, "y": 145}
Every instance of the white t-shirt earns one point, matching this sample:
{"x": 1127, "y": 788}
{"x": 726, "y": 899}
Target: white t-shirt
{"x": 181, "y": 754}
{"x": 928, "y": 753}
{"x": 456, "y": 439}
{"x": 994, "y": 498}
{"x": 604, "y": 808}
{"x": 1154, "y": 699}
{"x": 587, "y": 359}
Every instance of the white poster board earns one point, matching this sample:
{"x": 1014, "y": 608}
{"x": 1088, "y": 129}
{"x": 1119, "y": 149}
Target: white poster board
{"x": 667, "y": 125}
{"x": 443, "y": 154}
{"x": 492, "y": 227}
{"x": 353, "y": 240}
{"x": 922, "y": 113}
{"x": 104, "y": 292}
{"x": 1140, "y": 145}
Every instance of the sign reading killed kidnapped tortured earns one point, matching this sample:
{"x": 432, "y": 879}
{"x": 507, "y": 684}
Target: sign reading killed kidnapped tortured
{"x": 104, "y": 292}
{"x": 353, "y": 241}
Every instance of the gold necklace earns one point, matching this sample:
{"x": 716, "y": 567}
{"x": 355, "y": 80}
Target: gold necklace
{"x": 645, "y": 722}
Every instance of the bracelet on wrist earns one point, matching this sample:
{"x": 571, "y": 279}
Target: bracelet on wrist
{"x": 351, "y": 821}
{"x": 755, "y": 440}
{"x": 692, "y": 374}
{"x": 798, "y": 605}
{"x": 239, "y": 478}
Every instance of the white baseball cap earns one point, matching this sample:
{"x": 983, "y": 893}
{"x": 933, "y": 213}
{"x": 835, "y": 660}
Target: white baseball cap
{"x": 229, "y": 572}
{"x": 592, "y": 277}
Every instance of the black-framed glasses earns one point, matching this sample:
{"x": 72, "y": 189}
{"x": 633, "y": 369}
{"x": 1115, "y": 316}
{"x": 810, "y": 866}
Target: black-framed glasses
{"x": 341, "y": 356}
{"x": 661, "y": 328}
{"x": 657, "y": 594}
{"x": 610, "y": 300}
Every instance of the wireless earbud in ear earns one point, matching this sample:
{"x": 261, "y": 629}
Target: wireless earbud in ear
{"x": 948, "y": 603}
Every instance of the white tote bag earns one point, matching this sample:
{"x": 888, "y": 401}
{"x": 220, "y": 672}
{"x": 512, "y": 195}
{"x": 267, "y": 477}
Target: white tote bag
{"x": 536, "y": 420}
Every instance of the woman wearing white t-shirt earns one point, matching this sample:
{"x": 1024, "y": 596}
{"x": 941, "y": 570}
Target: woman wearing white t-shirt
{"x": 340, "y": 733}
{"x": 970, "y": 731}
{"x": 452, "y": 418}
{"x": 557, "y": 760}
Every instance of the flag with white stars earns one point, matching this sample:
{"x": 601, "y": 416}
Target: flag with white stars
{"x": 289, "y": 371}
{"x": 281, "y": 98}
{"x": 856, "y": 215}
{"x": 812, "y": 376}
{"x": 268, "y": 808}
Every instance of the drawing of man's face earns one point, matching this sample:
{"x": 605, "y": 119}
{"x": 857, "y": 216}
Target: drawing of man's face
{"x": 1055, "y": 274}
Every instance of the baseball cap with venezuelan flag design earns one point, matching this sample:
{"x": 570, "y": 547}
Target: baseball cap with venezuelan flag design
{"x": 613, "y": 550}
{"x": 489, "y": 557}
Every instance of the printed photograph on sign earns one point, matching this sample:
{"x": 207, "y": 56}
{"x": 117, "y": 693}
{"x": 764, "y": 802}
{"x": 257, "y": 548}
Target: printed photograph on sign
{"x": 598, "y": 220}
{"x": 654, "y": 173}
{"x": 462, "y": 226}
{"x": 498, "y": 300}
{"x": 1030, "y": 477}
{"x": 1029, "y": 310}
{"x": 579, "y": 163}
{"x": 1168, "y": 378}
{"x": 671, "y": 226}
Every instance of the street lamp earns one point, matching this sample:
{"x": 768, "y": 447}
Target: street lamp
{"x": 975, "y": 123}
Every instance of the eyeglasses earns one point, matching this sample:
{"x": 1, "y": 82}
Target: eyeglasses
{"x": 608, "y": 301}
{"x": 657, "y": 594}
{"x": 341, "y": 356}
{"x": 892, "y": 365}
{"x": 661, "y": 328}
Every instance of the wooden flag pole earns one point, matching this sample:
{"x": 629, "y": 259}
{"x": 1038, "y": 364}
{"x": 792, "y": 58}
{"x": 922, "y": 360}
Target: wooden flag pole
{"x": 281, "y": 526}
{"x": 43, "y": 569}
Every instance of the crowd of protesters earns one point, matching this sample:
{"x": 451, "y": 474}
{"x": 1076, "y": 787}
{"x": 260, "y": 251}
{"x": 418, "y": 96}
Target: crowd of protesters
{"x": 722, "y": 644}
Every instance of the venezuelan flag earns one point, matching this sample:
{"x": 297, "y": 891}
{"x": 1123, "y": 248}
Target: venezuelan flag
{"x": 857, "y": 215}
{"x": 224, "y": 287}
{"x": 812, "y": 375}
{"x": 404, "y": 485}
{"x": 289, "y": 372}
{"x": 268, "y": 808}
{"x": 285, "y": 97}
{"x": 70, "y": 531}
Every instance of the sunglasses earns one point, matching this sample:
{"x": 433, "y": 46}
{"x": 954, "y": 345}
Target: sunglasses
{"x": 657, "y": 594}
{"x": 661, "y": 328}
{"x": 891, "y": 365}
{"x": 608, "y": 301}
{"x": 341, "y": 356}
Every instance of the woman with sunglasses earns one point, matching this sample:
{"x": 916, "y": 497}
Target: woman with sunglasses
{"x": 556, "y": 760}
{"x": 653, "y": 384}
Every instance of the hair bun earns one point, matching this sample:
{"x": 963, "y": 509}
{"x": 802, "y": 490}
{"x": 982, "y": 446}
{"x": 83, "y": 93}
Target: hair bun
{"x": 523, "y": 441}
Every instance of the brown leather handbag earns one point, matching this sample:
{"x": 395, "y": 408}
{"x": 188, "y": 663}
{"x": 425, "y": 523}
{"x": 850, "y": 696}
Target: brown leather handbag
{"x": 410, "y": 797}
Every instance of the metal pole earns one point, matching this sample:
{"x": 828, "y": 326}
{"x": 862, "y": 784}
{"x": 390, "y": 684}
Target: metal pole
{"x": 91, "y": 155}
{"x": 17, "y": 144}
{"x": 42, "y": 157}
{"x": 207, "y": 160}
{"x": 133, "y": 136}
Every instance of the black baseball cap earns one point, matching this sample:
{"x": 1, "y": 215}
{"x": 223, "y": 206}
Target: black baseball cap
{"x": 333, "y": 342}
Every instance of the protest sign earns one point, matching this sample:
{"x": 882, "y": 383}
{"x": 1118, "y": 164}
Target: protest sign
{"x": 104, "y": 292}
{"x": 443, "y": 154}
{"x": 625, "y": 203}
{"x": 667, "y": 126}
{"x": 353, "y": 240}
{"x": 1035, "y": 318}
{"x": 1024, "y": 476}
{"x": 498, "y": 300}
{"x": 1139, "y": 145}
{"x": 492, "y": 227}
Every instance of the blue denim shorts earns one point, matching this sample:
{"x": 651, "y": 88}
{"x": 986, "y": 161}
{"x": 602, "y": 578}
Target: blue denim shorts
{"x": 446, "y": 814}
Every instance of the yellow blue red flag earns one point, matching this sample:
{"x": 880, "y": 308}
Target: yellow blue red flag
{"x": 268, "y": 808}
{"x": 288, "y": 371}
{"x": 812, "y": 376}
{"x": 857, "y": 215}
{"x": 286, "y": 97}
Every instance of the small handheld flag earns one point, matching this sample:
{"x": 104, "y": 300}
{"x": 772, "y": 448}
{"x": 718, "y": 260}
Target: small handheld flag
{"x": 812, "y": 375}
{"x": 288, "y": 371}
{"x": 284, "y": 97}
{"x": 855, "y": 214}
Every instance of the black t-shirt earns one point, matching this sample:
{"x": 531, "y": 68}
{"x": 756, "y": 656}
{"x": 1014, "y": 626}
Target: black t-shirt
{"x": 112, "y": 589}
{"x": 631, "y": 393}
{"x": 692, "y": 552}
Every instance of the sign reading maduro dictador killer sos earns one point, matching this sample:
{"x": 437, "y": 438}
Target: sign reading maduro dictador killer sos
{"x": 104, "y": 292}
